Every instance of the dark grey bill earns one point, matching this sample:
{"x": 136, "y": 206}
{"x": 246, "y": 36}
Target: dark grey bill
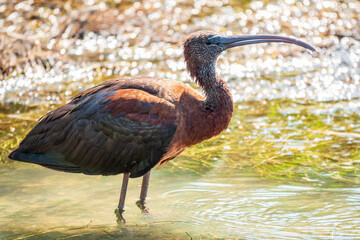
{"x": 241, "y": 40}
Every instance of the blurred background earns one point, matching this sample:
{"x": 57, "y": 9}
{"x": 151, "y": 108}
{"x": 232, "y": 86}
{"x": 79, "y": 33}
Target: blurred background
{"x": 287, "y": 167}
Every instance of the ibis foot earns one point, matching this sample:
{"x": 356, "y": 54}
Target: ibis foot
{"x": 141, "y": 205}
{"x": 119, "y": 216}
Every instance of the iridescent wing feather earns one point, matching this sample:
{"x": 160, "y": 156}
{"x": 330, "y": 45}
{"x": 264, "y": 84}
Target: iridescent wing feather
{"x": 112, "y": 128}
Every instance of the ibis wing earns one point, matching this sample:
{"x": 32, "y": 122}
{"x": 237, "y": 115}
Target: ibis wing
{"x": 104, "y": 132}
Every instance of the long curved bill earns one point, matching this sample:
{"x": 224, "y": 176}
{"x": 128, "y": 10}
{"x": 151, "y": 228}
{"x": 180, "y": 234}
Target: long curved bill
{"x": 241, "y": 40}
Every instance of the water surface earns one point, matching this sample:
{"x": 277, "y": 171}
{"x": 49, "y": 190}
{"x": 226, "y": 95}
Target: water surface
{"x": 37, "y": 203}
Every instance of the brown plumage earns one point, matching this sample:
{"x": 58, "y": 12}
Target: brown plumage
{"x": 131, "y": 125}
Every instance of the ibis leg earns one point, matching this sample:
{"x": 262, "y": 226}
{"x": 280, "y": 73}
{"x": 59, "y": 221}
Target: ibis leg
{"x": 120, "y": 209}
{"x": 144, "y": 189}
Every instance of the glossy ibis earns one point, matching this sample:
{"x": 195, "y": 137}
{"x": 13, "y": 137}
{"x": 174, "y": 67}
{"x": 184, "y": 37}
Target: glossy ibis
{"x": 130, "y": 125}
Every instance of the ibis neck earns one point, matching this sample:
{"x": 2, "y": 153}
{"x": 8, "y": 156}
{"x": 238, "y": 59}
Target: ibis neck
{"x": 218, "y": 96}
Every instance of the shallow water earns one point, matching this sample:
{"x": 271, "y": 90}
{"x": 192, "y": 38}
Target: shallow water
{"x": 282, "y": 170}
{"x": 47, "y": 204}
{"x": 286, "y": 168}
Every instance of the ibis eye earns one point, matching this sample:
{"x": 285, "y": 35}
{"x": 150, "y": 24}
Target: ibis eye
{"x": 208, "y": 43}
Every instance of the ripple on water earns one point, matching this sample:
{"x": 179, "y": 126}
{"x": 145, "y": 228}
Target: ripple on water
{"x": 257, "y": 209}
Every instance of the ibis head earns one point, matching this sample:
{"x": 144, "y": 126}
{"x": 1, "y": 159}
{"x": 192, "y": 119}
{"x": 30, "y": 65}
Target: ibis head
{"x": 202, "y": 48}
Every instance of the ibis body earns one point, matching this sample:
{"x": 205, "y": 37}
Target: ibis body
{"x": 131, "y": 125}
